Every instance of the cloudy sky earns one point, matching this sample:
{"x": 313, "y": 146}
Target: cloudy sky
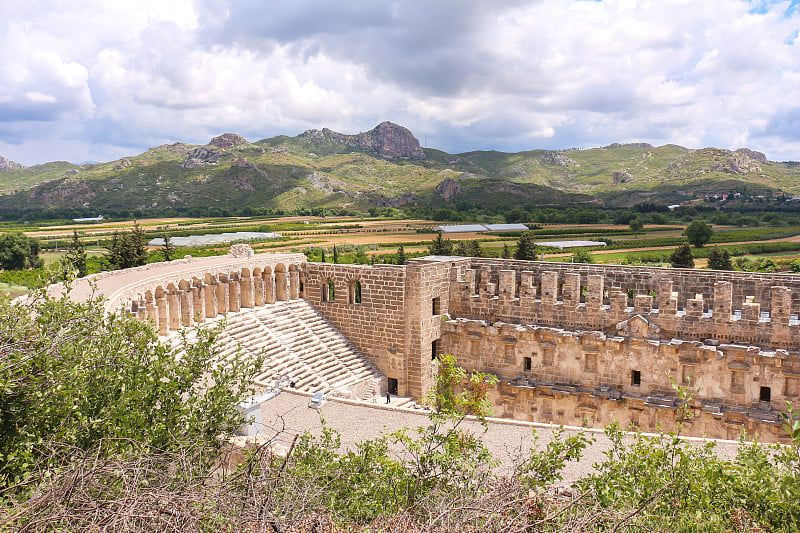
{"x": 94, "y": 80}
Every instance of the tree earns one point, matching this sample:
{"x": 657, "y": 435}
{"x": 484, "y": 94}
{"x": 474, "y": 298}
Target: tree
{"x": 76, "y": 376}
{"x": 335, "y": 255}
{"x": 440, "y": 246}
{"x": 127, "y": 248}
{"x": 636, "y": 224}
{"x": 168, "y": 250}
{"x": 76, "y": 256}
{"x": 582, "y": 256}
{"x": 469, "y": 248}
{"x": 400, "y": 257}
{"x": 505, "y": 253}
{"x": 698, "y": 233}
{"x": 682, "y": 257}
{"x": 18, "y": 251}
{"x": 719, "y": 260}
{"x": 526, "y": 248}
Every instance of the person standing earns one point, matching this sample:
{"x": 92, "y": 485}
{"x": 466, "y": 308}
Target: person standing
{"x": 388, "y": 397}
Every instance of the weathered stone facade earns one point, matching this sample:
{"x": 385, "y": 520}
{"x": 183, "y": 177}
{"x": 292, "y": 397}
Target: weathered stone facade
{"x": 571, "y": 344}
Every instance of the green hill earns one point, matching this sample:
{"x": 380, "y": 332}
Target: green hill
{"x": 387, "y": 167}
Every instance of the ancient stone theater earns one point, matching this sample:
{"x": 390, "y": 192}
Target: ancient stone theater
{"x": 572, "y": 344}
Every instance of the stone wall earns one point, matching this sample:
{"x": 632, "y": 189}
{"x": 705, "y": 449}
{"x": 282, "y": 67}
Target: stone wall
{"x": 566, "y": 377}
{"x": 572, "y": 344}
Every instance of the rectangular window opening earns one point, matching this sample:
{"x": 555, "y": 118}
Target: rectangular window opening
{"x": 526, "y": 364}
{"x": 636, "y": 378}
{"x": 434, "y": 351}
{"x": 437, "y": 306}
{"x": 765, "y": 395}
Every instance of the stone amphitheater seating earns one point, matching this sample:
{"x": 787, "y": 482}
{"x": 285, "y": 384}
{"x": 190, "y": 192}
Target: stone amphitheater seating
{"x": 297, "y": 341}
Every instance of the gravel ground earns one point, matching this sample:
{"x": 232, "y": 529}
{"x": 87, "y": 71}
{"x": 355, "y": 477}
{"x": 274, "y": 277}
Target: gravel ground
{"x": 507, "y": 440}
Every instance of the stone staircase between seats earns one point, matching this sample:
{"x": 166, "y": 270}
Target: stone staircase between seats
{"x": 297, "y": 341}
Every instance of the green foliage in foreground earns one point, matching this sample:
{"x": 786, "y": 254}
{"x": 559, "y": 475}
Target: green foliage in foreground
{"x": 73, "y": 375}
{"x": 121, "y": 408}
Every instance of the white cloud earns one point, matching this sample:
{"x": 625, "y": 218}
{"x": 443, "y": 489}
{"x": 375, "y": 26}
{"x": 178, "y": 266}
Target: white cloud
{"x": 111, "y": 77}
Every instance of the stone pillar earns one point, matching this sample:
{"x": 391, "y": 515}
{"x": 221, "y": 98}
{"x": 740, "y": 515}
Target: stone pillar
{"x": 246, "y": 286}
{"x": 222, "y": 296}
{"x": 187, "y": 307}
{"x": 487, "y": 288}
{"x": 572, "y": 289}
{"x": 294, "y": 284}
{"x": 642, "y": 304}
{"x": 269, "y": 288}
{"x": 174, "y": 310}
{"x": 210, "y": 290}
{"x": 723, "y": 301}
{"x": 549, "y": 288}
{"x": 281, "y": 281}
{"x": 258, "y": 291}
{"x": 470, "y": 278}
{"x": 163, "y": 314}
{"x": 664, "y": 293}
{"x": 507, "y": 286}
{"x": 694, "y": 306}
{"x": 618, "y": 302}
{"x": 595, "y": 286}
{"x": 233, "y": 294}
{"x": 151, "y": 310}
{"x": 199, "y": 300}
{"x": 780, "y": 309}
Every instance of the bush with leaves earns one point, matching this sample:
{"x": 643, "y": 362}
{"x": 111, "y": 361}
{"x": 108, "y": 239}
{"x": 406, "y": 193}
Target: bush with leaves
{"x": 18, "y": 251}
{"x": 74, "y": 375}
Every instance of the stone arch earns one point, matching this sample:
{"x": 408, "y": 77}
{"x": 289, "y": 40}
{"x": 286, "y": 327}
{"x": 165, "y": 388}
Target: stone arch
{"x": 183, "y": 285}
{"x": 171, "y": 287}
{"x": 245, "y": 272}
{"x": 148, "y": 295}
{"x": 210, "y": 279}
{"x": 160, "y": 292}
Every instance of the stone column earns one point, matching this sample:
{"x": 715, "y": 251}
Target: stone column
{"x": 174, "y": 310}
{"x": 294, "y": 284}
{"x": 222, "y": 296}
{"x": 246, "y": 286}
{"x": 163, "y": 314}
{"x": 258, "y": 290}
{"x": 199, "y": 300}
{"x": 281, "y": 282}
{"x": 269, "y": 288}
{"x": 187, "y": 308}
{"x": 151, "y": 310}
{"x": 210, "y": 290}
{"x": 233, "y": 294}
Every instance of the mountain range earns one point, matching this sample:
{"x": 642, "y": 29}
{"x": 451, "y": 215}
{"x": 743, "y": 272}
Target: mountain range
{"x": 387, "y": 167}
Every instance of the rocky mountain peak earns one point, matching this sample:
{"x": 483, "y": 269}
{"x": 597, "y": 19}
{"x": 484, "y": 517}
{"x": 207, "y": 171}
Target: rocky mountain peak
{"x": 227, "y": 140}
{"x": 5, "y": 164}
{"x": 752, "y": 154}
{"x": 386, "y": 139}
